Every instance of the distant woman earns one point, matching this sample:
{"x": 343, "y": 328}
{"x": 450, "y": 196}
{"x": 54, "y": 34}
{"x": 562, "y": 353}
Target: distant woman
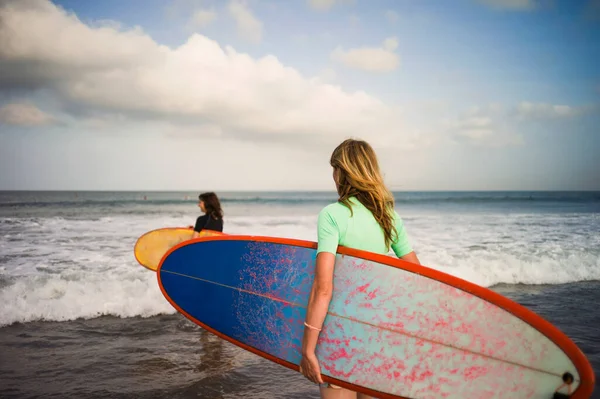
{"x": 362, "y": 218}
{"x": 213, "y": 214}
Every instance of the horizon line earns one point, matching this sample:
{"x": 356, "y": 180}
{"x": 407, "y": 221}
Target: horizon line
{"x": 290, "y": 190}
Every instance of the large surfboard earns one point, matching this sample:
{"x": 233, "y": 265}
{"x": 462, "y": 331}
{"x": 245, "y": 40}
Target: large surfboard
{"x": 150, "y": 247}
{"x": 393, "y": 330}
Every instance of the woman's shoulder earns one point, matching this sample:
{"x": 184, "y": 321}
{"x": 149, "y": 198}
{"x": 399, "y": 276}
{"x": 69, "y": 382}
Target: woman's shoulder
{"x": 334, "y": 210}
{"x": 334, "y": 206}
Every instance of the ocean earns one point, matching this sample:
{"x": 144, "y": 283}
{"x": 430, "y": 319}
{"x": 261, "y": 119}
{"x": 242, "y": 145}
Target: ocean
{"x": 80, "y": 318}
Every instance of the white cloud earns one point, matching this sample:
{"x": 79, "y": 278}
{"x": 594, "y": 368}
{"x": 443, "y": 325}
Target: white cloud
{"x": 103, "y": 122}
{"x": 328, "y": 75}
{"x": 372, "y": 59}
{"x": 545, "y": 111}
{"x": 325, "y": 5}
{"x": 62, "y": 45}
{"x": 498, "y": 126}
{"x": 201, "y": 18}
{"x": 191, "y": 131}
{"x": 24, "y": 114}
{"x": 484, "y": 126}
{"x": 248, "y": 26}
{"x": 476, "y": 128}
{"x": 321, "y": 5}
{"x": 103, "y": 70}
{"x": 392, "y": 16}
{"x": 390, "y": 44}
{"x": 510, "y": 5}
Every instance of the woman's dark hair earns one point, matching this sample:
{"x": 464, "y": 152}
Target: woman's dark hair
{"x": 212, "y": 205}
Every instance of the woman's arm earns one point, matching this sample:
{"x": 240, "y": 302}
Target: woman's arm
{"x": 318, "y": 302}
{"x": 200, "y": 223}
{"x": 411, "y": 257}
{"x": 316, "y": 311}
{"x": 320, "y": 294}
{"x": 401, "y": 246}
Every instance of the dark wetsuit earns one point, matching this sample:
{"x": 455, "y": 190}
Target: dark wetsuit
{"x": 206, "y": 222}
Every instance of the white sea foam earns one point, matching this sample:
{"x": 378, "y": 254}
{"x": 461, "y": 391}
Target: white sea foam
{"x": 57, "y": 268}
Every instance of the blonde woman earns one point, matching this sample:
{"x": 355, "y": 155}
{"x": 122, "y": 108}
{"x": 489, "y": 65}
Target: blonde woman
{"x": 362, "y": 218}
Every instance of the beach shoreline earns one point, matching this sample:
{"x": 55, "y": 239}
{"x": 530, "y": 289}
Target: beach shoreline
{"x": 168, "y": 356}
{"x": 109, "y": 332}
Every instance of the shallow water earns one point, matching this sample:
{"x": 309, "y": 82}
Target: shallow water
{"x": 81, "y": 319}
{"x": 170, "y": 357}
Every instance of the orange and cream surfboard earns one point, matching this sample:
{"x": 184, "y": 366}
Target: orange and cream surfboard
{"x": 153, "y": 245}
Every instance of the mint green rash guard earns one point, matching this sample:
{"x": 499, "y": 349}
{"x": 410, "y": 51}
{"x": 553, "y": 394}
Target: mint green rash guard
{"x": 336, "y": 226}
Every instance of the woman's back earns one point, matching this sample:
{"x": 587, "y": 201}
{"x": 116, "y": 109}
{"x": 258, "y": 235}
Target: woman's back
{"x": 357, "y": 229}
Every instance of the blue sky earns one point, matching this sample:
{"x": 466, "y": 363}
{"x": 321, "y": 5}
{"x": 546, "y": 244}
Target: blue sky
{"x": 251, "y": 95}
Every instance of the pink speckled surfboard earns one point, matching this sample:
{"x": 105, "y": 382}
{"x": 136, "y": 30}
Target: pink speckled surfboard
{"x": 393, "y": 330}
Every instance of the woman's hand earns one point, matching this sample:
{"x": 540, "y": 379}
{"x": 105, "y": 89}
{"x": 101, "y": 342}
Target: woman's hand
{"x": 309, "y": 367}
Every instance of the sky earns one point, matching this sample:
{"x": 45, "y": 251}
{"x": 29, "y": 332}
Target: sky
{"x": 255, "y": 94}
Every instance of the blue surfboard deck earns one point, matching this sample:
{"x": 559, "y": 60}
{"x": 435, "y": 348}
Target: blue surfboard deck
{"x": 394, "y": 330}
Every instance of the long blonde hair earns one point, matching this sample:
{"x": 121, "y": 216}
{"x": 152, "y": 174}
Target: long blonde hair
{"x": 358, "y": 175}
